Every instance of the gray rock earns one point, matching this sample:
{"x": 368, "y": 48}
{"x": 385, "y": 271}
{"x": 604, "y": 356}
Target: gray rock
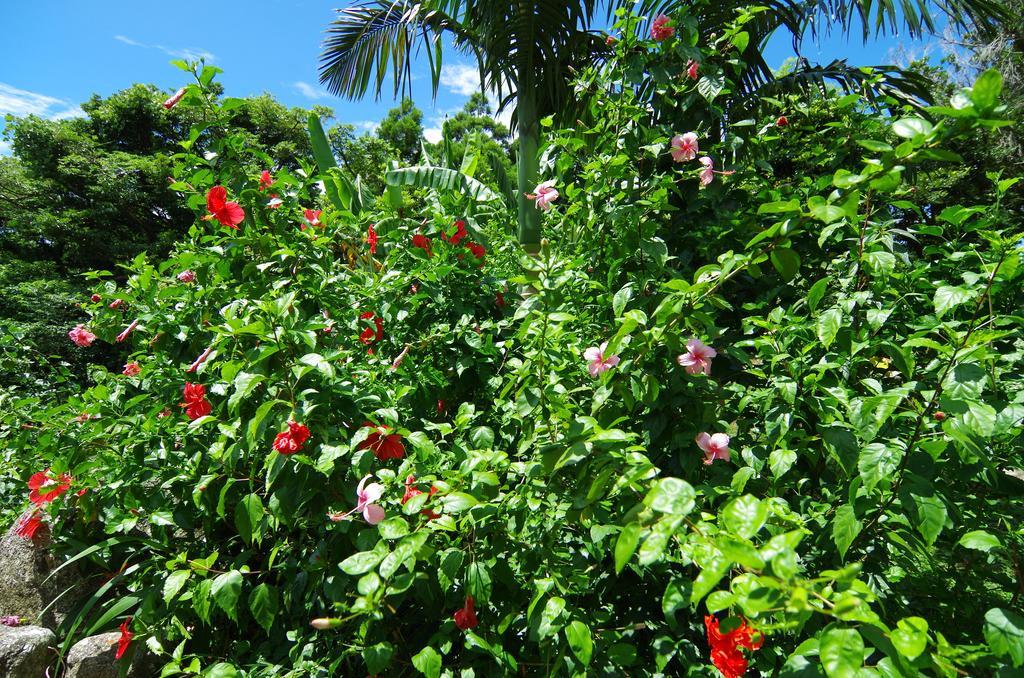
{"x": 93, "y": 657}
{"x": 24, "y": 566}
{"x": 25, "y": 651}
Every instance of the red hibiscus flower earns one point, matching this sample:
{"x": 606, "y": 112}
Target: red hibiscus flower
{"x": 499, "y": 299}
{"x": 313, "y": 218}
{"x": 125, "y": 640}
{"x": 477, "y": 250}
{"x": 460, "y": 233}
{"x": 371, "y": 334}
{"x": 726, "y": 654}
{"x": 227, "y": 213}
{"x": 44, "y": 488}
{"x": 173, "y": 100}
{"x": 196, "y": 405}
{"x": 782, "y": 121}
{"x": 371, "y": 239}
{"x": 411, "y": 491}
{"x": 128, "y": 330}
{"x": 292, "y": 440}
{"x": 383, "y": 444}
{"x": 465, "y": 618}
{"x": 28, "y": 524}
{"x": 265, "y": 180}
{"x": 660, "y": 29}
{"x": 421, "y": 241}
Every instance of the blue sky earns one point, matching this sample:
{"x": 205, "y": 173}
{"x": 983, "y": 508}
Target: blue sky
{"x": 57, "y": 53}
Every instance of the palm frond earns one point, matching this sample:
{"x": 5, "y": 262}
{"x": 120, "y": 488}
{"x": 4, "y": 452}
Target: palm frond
{"x": 875, "y": 83}
{"x": 367, "y": 40}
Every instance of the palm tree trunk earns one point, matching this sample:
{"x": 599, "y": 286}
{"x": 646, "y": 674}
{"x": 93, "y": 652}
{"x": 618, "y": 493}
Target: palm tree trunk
{"x": 528, "y": 167}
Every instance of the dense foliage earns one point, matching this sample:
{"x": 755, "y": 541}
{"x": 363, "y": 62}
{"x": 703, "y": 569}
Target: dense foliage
{"x": 758, "y": 405}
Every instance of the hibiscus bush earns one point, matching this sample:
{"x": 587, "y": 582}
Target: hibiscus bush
{"x": 751, "y": 408}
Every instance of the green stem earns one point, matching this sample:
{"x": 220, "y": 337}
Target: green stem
{"x": 528, "y": 165}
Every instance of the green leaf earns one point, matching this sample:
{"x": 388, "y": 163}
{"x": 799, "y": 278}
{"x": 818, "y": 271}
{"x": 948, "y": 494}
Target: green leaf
{"x": 457, "y": 502}
{"x": 877, "y": 461}
{"x": 948, "y": 297}
{"x": 841, "y": 652}
{"x": 673, "y": 496}
{"x": 780, "y": 461}
{"x": 249, "y": 517}
{"x": 428, "y": 662}
{"x": 549, "y": 617}
{"x": 321, "y": 149}
{"x": 377, "y": 657}
{"x": 779, "y": 207}
{"x": 482, "y": 437}
{"x": 263, "y": 603}
{"x": 626, "y": 545}
{"x": 911, "y": 128}
{"x": 786, "y": 262}
{"x": 175, "y": 580}
{"x": 745, "y": 515}
{"x": 226, "y": 590}
{"x": 361, "y": 563}
{"x": 711, "y": 85}
{"x": 928, "y": 515}
{"x": 823, "y": 211}
{"x": 394, "y": 527}
{"x": 827, "y": 325}
{"x": 621, "y": 298}
{"x": 222, "y": 670}
{"x": 1004, "y": 633}
{"x": 580, "y": 641}
{"x": 980, "y": 418}
{"x": 478, "y": 582}
{"x": 980, "y": 540}
{"x": 845, "y": 528}
{"x": 985, "y": 93}
{"x": 245, "y": 383}
{"x": 816, "y": 293}
{"x": 441, "y": 179}
{"x": 910, "y": 637}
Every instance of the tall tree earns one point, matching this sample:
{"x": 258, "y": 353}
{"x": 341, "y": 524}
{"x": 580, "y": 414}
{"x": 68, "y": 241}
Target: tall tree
{"x": 402, "y": 128}
{"x": 527, "y": 51}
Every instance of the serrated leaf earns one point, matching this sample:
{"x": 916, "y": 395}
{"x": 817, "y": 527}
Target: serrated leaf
{"x": 264, "y": 604}
{"x": 845, "y": 528}
{"x": 745, "y": 515}
{"x": 1004, "y": 633}
{"x": 841, "y": 652}
{"x": 980, "y": 540}
{"x": 226, "y": 590}
{"x": 175, "y": 580}
{"x": 428, "y": 662}
{"x": 826, "y": 327}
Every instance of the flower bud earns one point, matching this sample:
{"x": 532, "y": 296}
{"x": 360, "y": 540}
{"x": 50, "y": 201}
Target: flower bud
{"x": 325, "y": 623}
{"x": 940, "y": 415}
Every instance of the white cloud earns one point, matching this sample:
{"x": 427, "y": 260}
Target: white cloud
{"x": 187, "y": 53}
{"x": 461, "y": 78}
{"x": 22, "y": 102}
{"x": 432, "y": 134}
{"x": 310, "y": 91}
{"x": 5, "y": 148}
